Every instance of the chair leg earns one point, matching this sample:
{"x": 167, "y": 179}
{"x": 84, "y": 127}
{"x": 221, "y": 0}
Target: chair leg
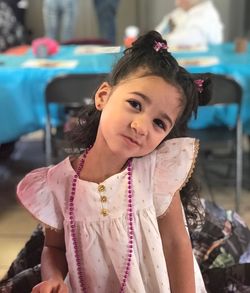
{"x": 48, "y": 145}
{"x": 205, "y": 175}
{"x": 239, "y": 166}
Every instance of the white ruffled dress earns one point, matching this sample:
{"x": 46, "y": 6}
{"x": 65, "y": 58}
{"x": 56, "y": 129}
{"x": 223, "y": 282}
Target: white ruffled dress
{"x": 103, "y": 239}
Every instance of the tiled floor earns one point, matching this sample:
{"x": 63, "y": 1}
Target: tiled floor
{"x": 16, "y": 224}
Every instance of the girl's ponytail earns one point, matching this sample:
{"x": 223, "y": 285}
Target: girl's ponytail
{"x": 203, "y": 86}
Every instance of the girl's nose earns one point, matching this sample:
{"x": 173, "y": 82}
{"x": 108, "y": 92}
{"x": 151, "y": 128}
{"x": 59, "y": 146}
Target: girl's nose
{"x": 139, "y": 126}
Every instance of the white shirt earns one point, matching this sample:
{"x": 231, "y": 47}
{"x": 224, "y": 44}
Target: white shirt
{"x": 200, "y": 25}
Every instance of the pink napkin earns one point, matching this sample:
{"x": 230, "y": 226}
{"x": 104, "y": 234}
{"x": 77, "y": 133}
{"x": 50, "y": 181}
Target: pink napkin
{"x": 44, "y": 46}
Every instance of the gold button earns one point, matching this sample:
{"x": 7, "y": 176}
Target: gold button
{"x": 101, "y": 188}
{"x": 104, "y": 212}
{"x": 103, "y": 198}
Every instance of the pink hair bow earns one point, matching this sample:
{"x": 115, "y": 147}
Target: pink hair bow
{"x": 160, "y": 46}
{"x": 199, "y": 84}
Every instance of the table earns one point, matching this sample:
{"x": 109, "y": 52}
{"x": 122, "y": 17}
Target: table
{"x": 22, "y": 107}
{"x": 230, "y": 63}
{"x": 22, "y": 89}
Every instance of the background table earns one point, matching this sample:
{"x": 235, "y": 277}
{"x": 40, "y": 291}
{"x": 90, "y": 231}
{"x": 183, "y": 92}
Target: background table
{"x": 22, "y": 108}
{"x": 230, "y": 63}
{"x": 22, "y": 89}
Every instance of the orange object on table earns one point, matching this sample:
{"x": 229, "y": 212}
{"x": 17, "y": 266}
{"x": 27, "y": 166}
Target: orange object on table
{"x": 18, "y": 50}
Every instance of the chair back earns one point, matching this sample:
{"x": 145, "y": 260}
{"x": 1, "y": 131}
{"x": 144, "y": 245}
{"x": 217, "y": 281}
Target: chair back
{"x": 71, "y": 91}
{"x": 225, "y": 90}
{"x": 87, "y": 41}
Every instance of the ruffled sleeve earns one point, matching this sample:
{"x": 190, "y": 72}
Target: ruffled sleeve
{"x": 36, "y": 196}
{"x": 175, "y": 160}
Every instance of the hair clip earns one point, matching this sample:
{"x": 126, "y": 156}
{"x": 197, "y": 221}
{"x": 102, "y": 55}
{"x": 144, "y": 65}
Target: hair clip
{"x": 160, "y": 46}
{"x": 199, "y": 84}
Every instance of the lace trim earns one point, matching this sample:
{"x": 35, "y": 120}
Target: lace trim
{"x": 196, "y": 151}
{"x": 191, "y": 170}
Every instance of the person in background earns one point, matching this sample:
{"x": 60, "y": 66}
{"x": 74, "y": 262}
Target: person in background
{"x": 114, "y": 214}
{"x": 192, "y": 23}
{"x": 106, "y": 11}
{"x": 59, "y": 18}
{"x": 12, "y": 32}
{"x": 19, "y": 8}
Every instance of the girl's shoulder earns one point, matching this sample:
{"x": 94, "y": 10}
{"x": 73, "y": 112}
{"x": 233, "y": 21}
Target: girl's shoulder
{"x": 174, "y": 149}
{"x": 175, "y": 159}
{"x": 42, "y": 191}
{"x": 174, "y": 156}
{"x": 174, "y": 163}
{"x": 176, "y": 145}
{"x": 46, "y": 175}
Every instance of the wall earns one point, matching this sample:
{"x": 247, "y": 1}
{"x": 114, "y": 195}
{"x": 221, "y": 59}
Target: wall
{"x": 144, "y": 13}
{"x": 86, "y": 23}
{"x": 232, "y": 14}
{"x": 247, "y": 19}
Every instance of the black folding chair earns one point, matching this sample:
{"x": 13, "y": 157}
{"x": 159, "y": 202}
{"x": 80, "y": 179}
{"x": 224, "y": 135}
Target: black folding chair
{"x": 87, "y": 41}
{"x": 225, "y": 91}
{"x": 71, "y": 91}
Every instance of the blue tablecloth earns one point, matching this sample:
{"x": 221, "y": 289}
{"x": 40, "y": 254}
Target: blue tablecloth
{"x": 22, "y": 107}
{"x": 233, "y": 64}
{"x": 22, "y": 89}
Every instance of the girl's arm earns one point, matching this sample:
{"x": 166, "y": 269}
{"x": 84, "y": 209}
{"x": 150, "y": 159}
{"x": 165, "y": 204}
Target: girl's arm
{"x": 177, "y": 248}
{"x": 53, "y": 264}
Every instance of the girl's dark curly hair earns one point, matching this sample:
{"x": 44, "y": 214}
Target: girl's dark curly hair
{"x": 143, "y": 55}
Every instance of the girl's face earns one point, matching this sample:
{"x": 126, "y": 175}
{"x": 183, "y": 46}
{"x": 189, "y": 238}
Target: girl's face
{"x": 137, "y": 114}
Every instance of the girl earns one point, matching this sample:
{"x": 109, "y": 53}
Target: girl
{"x": 113, "y": 215}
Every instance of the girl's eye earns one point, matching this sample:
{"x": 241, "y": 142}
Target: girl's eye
{"x": 135, "y": 104}
{"x": 160, "y": 124}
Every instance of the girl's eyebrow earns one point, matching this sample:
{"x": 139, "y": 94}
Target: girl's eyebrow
{"x": 148, "y": 100}
{"x": 144, "y": 97}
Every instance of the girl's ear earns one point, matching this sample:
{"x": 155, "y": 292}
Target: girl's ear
{"x": 102, "y": 95}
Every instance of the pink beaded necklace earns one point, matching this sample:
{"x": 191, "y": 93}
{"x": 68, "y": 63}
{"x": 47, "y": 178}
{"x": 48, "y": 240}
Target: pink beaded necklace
{"x": 80, "y": 267}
